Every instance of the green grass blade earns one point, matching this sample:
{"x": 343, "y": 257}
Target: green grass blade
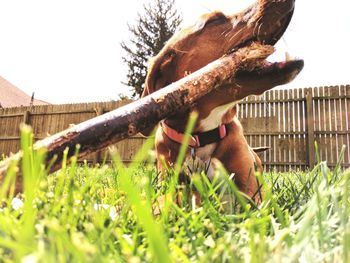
{"x": 143, "y": 211}
{"x": 184, "y": 146}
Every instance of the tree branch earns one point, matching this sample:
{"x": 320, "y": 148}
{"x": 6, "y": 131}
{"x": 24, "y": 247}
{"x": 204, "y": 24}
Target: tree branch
{"x": 98, "y": 133}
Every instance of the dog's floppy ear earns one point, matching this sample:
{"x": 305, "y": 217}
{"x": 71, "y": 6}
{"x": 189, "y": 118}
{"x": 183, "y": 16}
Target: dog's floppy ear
{"x": 158, "y": 76}
{"x": 159, "y": 72}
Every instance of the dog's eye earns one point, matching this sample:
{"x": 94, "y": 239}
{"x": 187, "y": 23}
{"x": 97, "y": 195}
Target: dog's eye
{"x": 166, "y": 61}
{"x": 215, "y": 18}
{"x": 208, "y": 20}
{"x": 170, "y": 54}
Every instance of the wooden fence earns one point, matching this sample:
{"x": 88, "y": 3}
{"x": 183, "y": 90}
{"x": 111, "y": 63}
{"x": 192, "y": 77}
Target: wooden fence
{"x": 288, "y": 121}
{"x": 50, "y": 119}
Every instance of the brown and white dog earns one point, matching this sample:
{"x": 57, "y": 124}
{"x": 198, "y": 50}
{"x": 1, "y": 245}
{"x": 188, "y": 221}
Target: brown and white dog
{"x": 218, "y": 133}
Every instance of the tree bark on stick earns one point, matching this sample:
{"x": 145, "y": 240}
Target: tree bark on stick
{"x": 98, "y": 133}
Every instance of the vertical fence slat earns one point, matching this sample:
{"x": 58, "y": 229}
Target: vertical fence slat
{"x": 347, "y": 120}
{"x": 286, "y": 141}
{"x": 343, "y": 124}
{"x": 302, "y": 119}
{"x": 280, "y": 128}
{"x": 335, "y": 93}
{"x": 296, "y": 120}
{"x": 273, "y": 128}
{"x": 326, "y": 123}
{"x": 310, "y": 128}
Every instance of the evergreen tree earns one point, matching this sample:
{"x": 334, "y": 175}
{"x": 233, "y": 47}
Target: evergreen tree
{"x": 153, "y": 28}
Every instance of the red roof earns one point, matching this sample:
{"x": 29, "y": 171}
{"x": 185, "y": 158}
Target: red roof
{"x": 11, "y": 96}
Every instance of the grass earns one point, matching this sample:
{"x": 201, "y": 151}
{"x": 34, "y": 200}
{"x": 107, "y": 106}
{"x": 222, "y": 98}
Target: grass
{"x": 106, "y": 214}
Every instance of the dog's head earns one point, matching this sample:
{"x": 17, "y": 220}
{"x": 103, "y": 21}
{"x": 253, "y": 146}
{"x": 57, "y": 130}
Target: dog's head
{"x": 215, "y": 35}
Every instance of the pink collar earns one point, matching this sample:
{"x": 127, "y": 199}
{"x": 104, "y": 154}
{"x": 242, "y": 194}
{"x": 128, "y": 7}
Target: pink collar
{"x": 198, "y": 139}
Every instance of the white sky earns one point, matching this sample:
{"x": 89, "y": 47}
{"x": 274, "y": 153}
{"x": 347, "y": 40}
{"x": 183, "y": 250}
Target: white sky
{"x": 69, "y": 50}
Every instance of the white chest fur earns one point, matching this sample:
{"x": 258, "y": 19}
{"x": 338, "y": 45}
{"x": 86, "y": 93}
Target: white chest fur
{"x": 214, "y": 119}
{"x": 200, "y": 160}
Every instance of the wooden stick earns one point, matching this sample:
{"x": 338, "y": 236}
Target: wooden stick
{"x": 104, "y": 130}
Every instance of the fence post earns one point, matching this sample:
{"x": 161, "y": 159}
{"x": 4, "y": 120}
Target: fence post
{"x": 310, "y": 129}
{"x": 26, "y": 116}
{"x": 97, "y": 158}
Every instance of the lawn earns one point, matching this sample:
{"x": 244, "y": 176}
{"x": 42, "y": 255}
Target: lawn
{"x": 110, "y": 213}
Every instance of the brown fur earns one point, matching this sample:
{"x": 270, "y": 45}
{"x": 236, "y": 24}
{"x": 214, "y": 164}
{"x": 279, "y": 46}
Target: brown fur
{"x": 191, "y": 49}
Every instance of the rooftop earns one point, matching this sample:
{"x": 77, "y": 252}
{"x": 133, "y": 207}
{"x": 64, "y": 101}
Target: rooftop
{"x": 11, "y": 96}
